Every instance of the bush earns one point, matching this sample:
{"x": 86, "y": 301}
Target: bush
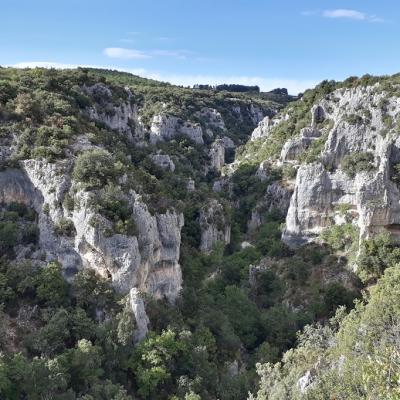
{"x": 340, "y": 237}
{"x": 8, "y": 235}
{"x": 354, "y": 119}
{"x": 337, "y": 295}
{"x": 376, "y": 255}
{"x": 396, "y": 173}
{"x": 65, "y": 227}
{"x": 357, "y": 162}
{"x": 94, "y": 168}
{"x": 51, "y": 287}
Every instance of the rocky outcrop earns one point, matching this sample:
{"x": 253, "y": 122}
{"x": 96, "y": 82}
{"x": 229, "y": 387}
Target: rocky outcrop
{"x": 305, "y": 382}
{"x": 266, "y": 124}
{"x": 190, "y": 185}
{"x": 256, "y": 114}
{"x": 51, "y": 182}
{"x": 277, "y": 197}
{"x": 122, "y": 117}
{"x": 293, "y": 148}
{"x": 165, "y": 127}
{"x": 141, "y": 318}
{"x": 163, "y": 161}
{"x": 218, "y": 152}
{"x": 148, "y": 261}
{"x": 212, "y": 119}
{"x": 262, "y": 129}
{"x": 214, "y": 226}
{"x": 360, "y": 126}
{"x": 217, "y": 155}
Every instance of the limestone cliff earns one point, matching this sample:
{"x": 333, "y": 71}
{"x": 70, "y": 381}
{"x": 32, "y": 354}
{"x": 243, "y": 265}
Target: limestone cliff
{"x": 214, "y": 226}
{"x": 346, "y": 159}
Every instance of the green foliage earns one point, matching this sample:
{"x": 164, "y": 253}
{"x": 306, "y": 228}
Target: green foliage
{"x": 94, "y": 168}
{"x": 236, "y": 305}
{"x": 376, "y": 255}
{"x": 341, "y": 237}
{"x": 126, "y": 323}
{"x": 51, "y": 287}
{"x": 353, "y": 119}
{"x": 65, "y": 227}
{"x": 17, "y": 226}
{"x": 299, "y": 117}
{"x": 113, "y": 204}
{"x": 151, "y": 359}
{"x": 268, "y": 240}
{"x": 357, "y": 353}
{"x": 313, "y": 153}
{"x": 357, "y": 162}
{"x": 92, "y": 292}
{"x": 8, "y": 235}
{"x": 395, "y": 177}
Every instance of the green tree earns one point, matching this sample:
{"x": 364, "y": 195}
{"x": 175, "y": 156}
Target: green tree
{"x": 94, "y": 168}
{"x": 51, "y": 287}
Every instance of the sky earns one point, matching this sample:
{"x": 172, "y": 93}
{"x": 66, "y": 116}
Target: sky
{"x": 270, "y": 43}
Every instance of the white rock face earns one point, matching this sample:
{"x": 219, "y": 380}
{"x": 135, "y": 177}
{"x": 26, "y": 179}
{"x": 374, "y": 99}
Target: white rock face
{"x": 217, "y": 155}
{"x": 213, "y": 119}
{"x": 277, "y": 197}
{"x": 228, "y": 142}
{"x": 296, "y": 146}
{"x": 305, "y": 382}
{"x": 138, "y": 309}
{"x": 164, "y": 161}
{"x": 165, "y": 127}
{"x": 148, "y": 261}
{"x": 191, "y": 185}
{"x": 373, "y": 198}
{"x": 256, "y": 114}
{"x": 262, "y": 129}
{"x": 122, "y": 118}
{"x": 51, "y": 182}
{"x": 265, "y": 125}
{"x": 214, "y": 226}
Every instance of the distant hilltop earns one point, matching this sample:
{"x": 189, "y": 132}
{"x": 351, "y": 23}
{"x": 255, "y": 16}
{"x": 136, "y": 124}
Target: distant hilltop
{"x": 239, "y": 88}
{"x": 228, "y": 88}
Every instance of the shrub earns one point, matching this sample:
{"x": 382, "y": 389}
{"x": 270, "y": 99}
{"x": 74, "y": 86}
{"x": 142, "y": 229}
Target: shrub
{"x": 357, "y": 162}
{"x": 8, "y": 235}
{"x": 376, "y": 255}
{"x": 94, "y": 168}
{"x": 337, "y": 295}
{"x": 65, "y": 227}
{"x": 51, "y": 287}
{"x": 354, "y": 119}
{"x": 113, "y": 204}
{"x": 396, "y": 173}
{"x": 340, "y": 237}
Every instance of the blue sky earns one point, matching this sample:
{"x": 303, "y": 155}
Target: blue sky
{"x": 270, "y": 43}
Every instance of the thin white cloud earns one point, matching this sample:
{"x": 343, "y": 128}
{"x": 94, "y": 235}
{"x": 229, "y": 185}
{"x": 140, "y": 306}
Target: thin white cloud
{"x": 180, "y": 54}
{"x": 344, "y": 13}
{"x": 125, "y": 54}
{"x": 294, "y": 86}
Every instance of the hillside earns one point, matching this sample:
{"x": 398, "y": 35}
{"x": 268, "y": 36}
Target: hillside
{"x": 161, "y": 242}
